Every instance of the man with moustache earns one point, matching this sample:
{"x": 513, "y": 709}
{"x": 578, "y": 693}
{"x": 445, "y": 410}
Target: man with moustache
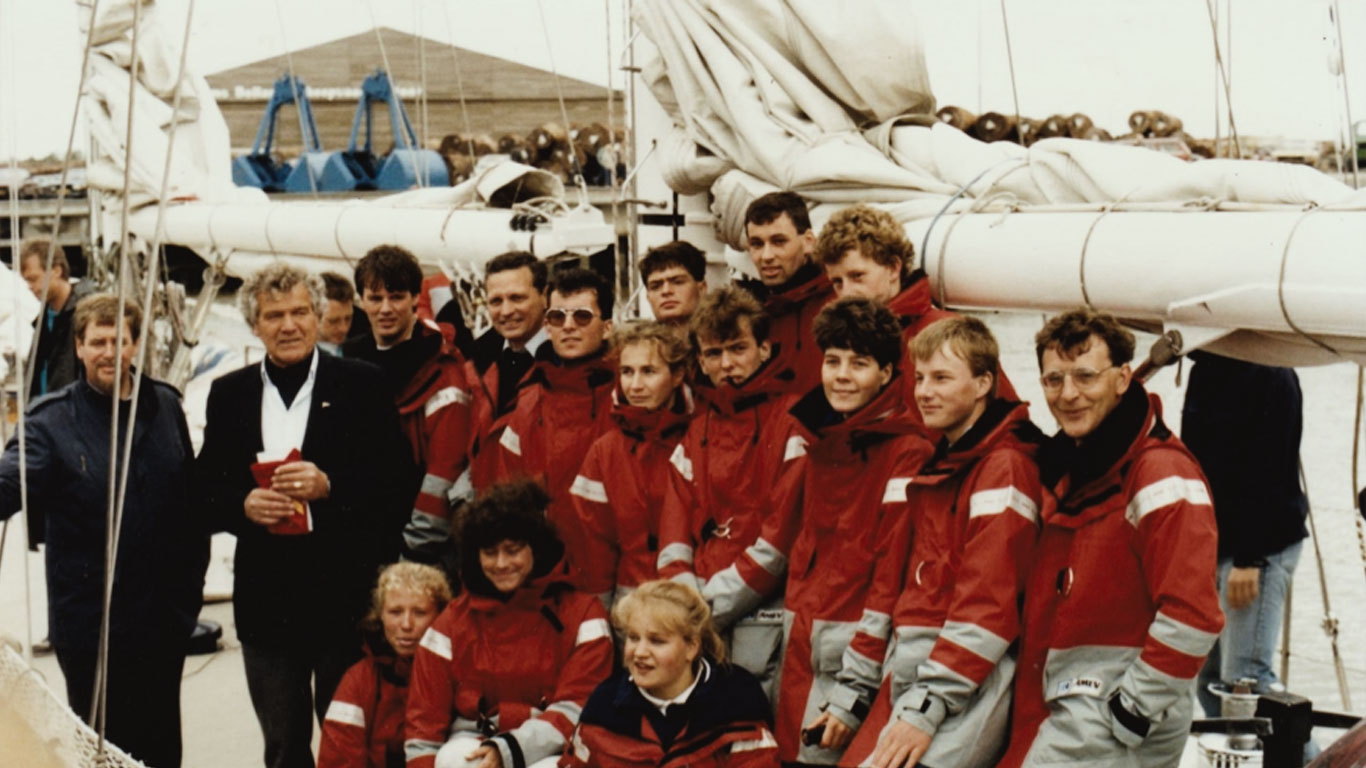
{"x": 303, "y": 461}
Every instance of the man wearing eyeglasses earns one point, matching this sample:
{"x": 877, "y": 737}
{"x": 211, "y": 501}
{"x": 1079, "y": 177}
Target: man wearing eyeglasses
{"x": 1120, "y": 606}
{"x": 566, "y": 402}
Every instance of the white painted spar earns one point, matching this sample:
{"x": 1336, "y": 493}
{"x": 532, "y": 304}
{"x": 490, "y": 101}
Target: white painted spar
{"x": 345, "y": 229}
{"x": 1208, "y": 272}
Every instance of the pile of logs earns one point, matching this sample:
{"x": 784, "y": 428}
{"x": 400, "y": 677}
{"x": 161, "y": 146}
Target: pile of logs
{"x": 587, "y": 149}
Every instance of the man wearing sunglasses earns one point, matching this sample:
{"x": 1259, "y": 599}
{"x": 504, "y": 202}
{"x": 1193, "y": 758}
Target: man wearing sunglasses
{"x": 1120, "y": 604}
{"x": 566, "y": 402}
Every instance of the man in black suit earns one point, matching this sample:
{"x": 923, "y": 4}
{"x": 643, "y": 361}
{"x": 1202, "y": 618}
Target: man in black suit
{"x": 303, "y": 461}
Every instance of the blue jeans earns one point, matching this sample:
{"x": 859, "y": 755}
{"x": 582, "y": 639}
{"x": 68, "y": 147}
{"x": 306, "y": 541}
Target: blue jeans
{"x": 1247, "y": 646}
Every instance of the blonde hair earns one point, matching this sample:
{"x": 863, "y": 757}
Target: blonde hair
{"x": 968, "y": 337}
{"x": 670, "y": 346}
{"x": 676, "y": 607}
{"x": 408, "y": 577}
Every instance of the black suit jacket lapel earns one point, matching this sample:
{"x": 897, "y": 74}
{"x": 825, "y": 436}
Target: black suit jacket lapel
{"x": 316, "y": 434}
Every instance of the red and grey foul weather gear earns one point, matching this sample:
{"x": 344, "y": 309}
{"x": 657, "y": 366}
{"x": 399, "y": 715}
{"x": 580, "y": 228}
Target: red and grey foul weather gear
{"x": 561, "y": 410}
{"x": 724, "y": 723}
{"x": 724, "y": 479}
{"x": 916, "y": 312}
{"x": 516, "y": 670}
{"x": 618, "y": 493}
{"x": 966, "y": 553}
{"x": 1121, "y": 606}
{"x": 792, "y": 308}
{"x": 363, "y": 727}
{"x": 831, "y": 543}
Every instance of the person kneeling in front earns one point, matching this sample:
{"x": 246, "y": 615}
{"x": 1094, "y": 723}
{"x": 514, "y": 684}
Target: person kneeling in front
{"x": 676, "y": 701}
{"x": 501, "y": 676}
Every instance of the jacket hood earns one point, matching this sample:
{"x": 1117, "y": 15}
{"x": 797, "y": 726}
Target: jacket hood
{"x": 387, "y": 663}
{"x": 883, "y": 417}
{"x": 809, "y": 280}
{"x": 1095, "y": 455}
{"x": 1004, "y": 424}
{"x": 774, "y": 378}
{"x": 583, "y": 375}
{"x": 658, "y": 425}
{"x": 915, "y": 300}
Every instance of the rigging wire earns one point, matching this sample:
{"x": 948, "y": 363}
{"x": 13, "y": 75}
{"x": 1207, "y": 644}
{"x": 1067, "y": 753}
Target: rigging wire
{"x": 1224, "y": 77}
{"x": 99, "y": 702}
{"x": 298, "y": 105}
{"x": 401, "y": 119}
{"x": 424, "y": 139}
{"x": 626, "y": 267}
{"x": 564, "y": 112}
{"x": 1010, "y": 59}
{"x": 1330, "y": 622}
{"x": 1346, "y": 96}
{"x": 459, "y": 81}
{"x": 1356, "y": 463}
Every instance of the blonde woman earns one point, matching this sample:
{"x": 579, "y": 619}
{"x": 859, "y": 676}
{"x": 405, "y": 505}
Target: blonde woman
{"x": 676, "y": 702}
{"x": 363, "y": 727}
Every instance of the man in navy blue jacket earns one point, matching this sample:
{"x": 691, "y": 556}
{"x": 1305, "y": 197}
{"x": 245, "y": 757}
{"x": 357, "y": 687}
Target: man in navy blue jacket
{"x": 162, "y": 545}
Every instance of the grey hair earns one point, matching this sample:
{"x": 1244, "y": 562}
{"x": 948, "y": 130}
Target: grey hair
{"x": 278, "y": 277}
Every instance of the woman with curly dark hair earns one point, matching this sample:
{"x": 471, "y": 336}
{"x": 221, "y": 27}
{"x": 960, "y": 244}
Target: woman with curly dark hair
{"x": 502, "y": 675}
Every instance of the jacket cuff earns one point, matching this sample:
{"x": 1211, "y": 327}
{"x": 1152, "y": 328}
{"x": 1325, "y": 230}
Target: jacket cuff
{"x": 508, "y": 749}
{"x": 846, "y": 706}
{"x": 1129, "y": 726}
{"x": 921, "y": 709}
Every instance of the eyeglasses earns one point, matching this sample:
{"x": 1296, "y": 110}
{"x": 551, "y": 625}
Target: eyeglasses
{"x": 582, "y": 317}
{"x": 1084, "y": 378}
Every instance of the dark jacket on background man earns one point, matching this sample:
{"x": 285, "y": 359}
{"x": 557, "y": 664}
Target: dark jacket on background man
{"x": 1243, "y": 423}
{"x": 163, "y": 544}
{"x": 301, "y": 590}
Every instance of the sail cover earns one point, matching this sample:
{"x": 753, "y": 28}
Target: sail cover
{"x": 807, "y": 96}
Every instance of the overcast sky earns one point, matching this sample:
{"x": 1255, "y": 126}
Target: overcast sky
{"x": 1103, "y": 57}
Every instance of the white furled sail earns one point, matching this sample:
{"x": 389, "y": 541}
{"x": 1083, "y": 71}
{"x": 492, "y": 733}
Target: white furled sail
{"x": 1256, "y": 259}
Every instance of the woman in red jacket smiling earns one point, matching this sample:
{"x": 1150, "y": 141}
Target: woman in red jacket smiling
{"x": 364, "y": 724}
{"x": 501, "y": 676}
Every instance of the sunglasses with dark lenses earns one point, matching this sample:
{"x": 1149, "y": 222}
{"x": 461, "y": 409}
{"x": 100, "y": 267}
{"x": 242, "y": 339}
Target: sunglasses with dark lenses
{"x": 582, "y": 317}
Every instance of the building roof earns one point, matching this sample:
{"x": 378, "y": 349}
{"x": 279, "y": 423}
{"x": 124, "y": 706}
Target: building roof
{"x": 344, "y": 63}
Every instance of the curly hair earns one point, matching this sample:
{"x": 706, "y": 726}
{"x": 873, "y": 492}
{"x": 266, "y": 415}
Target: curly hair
{"x": 872, "y": 232}
{"x": 678, "y": 608}
{"x": 862, "y": 326}
{"x": 719, "y": 315}
{"x": 279, "y": 278}
{"x": 1070, "y": 332}
{"x": 672, "y": 349}
{"x": 510, "y": 511}
{"x": 417, "y": 578}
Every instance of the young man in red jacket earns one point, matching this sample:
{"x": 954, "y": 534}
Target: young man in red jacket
{"x": 1128, "y": 535}
{"x": 792, "y": 287}
{"x": 515, "y": 292}
{"x": 973, "y": 523}
{"x": 866, "y": 253}
{"x": 725, "y": 475}
{"x": 427, "y": 377}
{"x": 854, "y": 445}
{"x": 566, "y": 401}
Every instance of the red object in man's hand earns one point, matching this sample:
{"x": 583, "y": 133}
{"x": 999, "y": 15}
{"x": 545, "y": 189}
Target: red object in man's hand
{"x": 302, "y": 520}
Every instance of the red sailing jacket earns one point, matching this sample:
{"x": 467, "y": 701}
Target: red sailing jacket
{"x": 561, "y": 410}
{"x": 725, "y": 726}
{"x": 792, "y": 310}
{"x": 518, "y": 671}
{"x": 965, "y": 555}
{"x": 364, "y": 723}
{"x": 723, "y": 476}
{"x": 1121, "y": 606}
{"x": 434, "y": 413}
{"x": 916, "y": 312}
{"x": 618, "y": 494}
{"x": 839, "y": 531}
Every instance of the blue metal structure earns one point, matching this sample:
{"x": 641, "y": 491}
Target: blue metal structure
{"x": 259, "y": 169}
{"x": 407, "y": 165}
